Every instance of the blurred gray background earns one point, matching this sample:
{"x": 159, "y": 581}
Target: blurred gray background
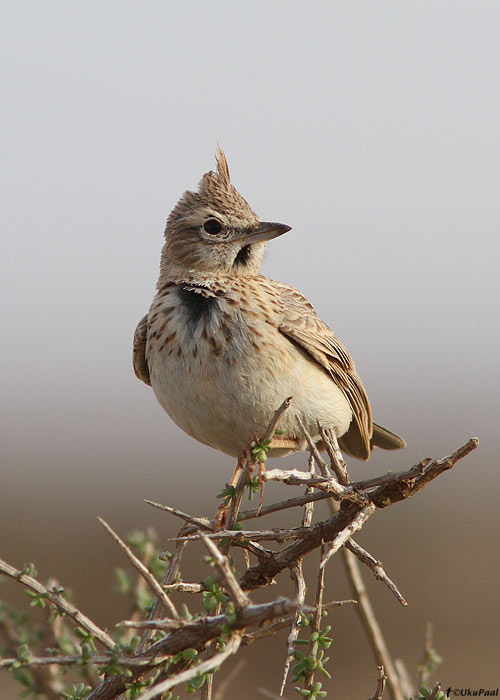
{"x": 371, "y": 129}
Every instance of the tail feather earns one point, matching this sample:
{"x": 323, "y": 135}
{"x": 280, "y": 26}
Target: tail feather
{"x": 381, "y": 437}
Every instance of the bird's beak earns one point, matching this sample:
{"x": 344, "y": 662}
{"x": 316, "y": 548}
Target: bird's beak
{"x": 266, "y": 231}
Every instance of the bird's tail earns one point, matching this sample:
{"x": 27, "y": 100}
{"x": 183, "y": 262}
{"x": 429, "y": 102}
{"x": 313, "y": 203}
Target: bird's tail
{"x": 381, "y": 437}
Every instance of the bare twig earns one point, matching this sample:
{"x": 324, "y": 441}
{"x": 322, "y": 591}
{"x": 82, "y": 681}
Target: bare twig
{"x": 72, "y": 660}
{"x": 300, "y": 595}
{"x": 333, "y": 450}
{"x": 239, "y": 597}
{"x": 164, "y": 623}
{"x": 318, "y": 604}
{"x": 182, "y": 587}
{"x": 137, "y": 563}
{"x": 294, "y": 477}
{"x": 322, "y": 465}
{"x": 271, "y": 629}
{"x": 271, "y": 428}
{"x": 376, "y": 567}
{"x": 277, "y": 534}
{"x": 371, "y": 625}
{"x": 382, "y": 680}
{"x": 283, "y": 505}
{"x": 309, "y": 507}
{"x": 169, "y": 578}
{"x": 203, "y": 523}
{"x": 341, "y": 538}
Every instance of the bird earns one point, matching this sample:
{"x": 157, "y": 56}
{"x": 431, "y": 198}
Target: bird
{"x": 222, "y": 345}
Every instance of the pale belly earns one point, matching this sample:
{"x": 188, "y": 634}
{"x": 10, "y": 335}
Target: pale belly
{"x": 227, "y": 400}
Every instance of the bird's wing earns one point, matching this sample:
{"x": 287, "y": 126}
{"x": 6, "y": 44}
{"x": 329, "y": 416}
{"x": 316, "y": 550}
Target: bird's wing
{"x": 141, "y": 368}
{"x": 301, "y": 324}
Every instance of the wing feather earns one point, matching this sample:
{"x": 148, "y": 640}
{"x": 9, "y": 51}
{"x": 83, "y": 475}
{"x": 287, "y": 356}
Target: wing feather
{"x": 301, "y": 324}
{"x": 141, "y": 368}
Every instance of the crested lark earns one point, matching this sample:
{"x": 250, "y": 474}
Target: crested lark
{"x": 222, "y": 345}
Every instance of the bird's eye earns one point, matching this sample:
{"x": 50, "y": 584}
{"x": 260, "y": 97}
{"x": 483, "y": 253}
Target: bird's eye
{"x": 212, "y": 226}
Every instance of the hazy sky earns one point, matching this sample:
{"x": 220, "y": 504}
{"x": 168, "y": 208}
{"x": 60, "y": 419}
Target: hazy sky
{"x": 371, "y": 128}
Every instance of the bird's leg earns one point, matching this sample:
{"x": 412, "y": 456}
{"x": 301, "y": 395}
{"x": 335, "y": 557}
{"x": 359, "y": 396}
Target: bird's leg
{"x": 220, "y": 517}
{"x": 260, "y": 452}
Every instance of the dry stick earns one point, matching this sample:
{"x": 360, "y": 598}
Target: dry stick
{"x": 392, "y": 477}
{"x": 382, "y": 680}
{"x": 300, "y": 594}
{"x": 184, "y": 587}
{"x": 309, "y": 507}
{"x": 323, "y": 467}
{"x": 318, "y": 604}
{"x": 169, "y": 578}
{"x": 137, "y": 563}
{"x": 333, "y": 451}
{"x": 274, "y": 627}
{"x": 203, "y": 523}
{"x": 237, "y": 595}
{"x": 376, "y": 567}
{"x": 371, "y": 625}
{"x": 231, "y": 647}
{"x": 294, "y": 477}
{"x": 277, "y": 534}
{"x": 339, "y": 540}
{"x": 167, "y": 624}
{"x": 206, "y": 690}
{"x": 271, "y": 428}
{"x": 297, "y": 575}
{"x": 282, "y": 505}
{"x": 141, "y": 585}
{"x": 73, "y": 660}
{"x": 164, "y": 623}
{"x": 59, "y": 602}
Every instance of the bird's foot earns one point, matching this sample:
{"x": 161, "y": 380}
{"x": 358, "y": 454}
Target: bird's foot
{"x": 291, "y": 444}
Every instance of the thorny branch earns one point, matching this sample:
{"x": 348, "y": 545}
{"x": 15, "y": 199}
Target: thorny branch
{"x": 166, "y": 639}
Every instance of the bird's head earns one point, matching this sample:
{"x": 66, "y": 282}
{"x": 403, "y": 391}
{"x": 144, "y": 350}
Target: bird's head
{"x": 214, "y": 231}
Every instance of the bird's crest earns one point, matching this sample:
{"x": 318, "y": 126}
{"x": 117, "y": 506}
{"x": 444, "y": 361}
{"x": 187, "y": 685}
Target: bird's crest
{"x": 222, "y": 166}
{"x": 215, "y": 191}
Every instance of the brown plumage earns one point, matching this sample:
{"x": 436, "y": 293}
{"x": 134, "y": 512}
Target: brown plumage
{"x": 222, "y": 345}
